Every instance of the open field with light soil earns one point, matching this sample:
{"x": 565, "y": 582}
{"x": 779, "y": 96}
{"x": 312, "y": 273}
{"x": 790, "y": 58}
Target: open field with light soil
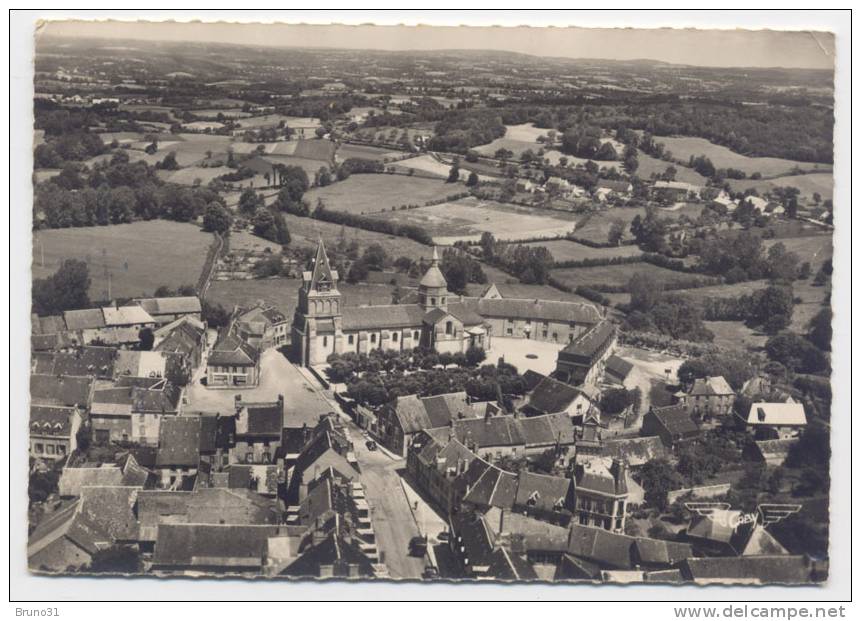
{"x": 140, "y": 256}
{"x": 685, "y": 147}
{"x": 566, "y": 250}
{"x": 375, "y": 193}
{"x": 648, "y": 165}
{"x": 468, "y": 218}
{"x": 822, "y": 183}
{"x": 431, "y": 165}
{"x": 346, "y": 151}
{"x": 616, "y": 274}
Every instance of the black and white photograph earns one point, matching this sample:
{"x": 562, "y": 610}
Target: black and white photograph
{"x": 422, "y": 304}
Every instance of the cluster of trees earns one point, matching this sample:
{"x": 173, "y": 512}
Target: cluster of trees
{"x": 531, "y": 264}
{"x": 586, "y": 142}
{"x": 460, "y": 130}
{"x": 742, "y": 256}
{"x": 461, "y": 268}
{"x": 66, "y": 289}
{"x": 359, "y": 166}
{"x": 769, "y": 309}
{"x": 483, "y": 383}
{"x": 115, "y": 192}
{"x": 797, "y": 353}
{"x": 379, "y": 225}
{"x": 616, "y": 400}
{"x": 347, "y": 367}
{"x": 652, "y": 310}
{"x": 734, "y": 367}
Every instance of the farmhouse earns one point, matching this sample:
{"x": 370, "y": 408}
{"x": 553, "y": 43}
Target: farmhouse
{"x": 675, "y": 190}
{"x": 607, "y": 188}
{"x": 262, "y": 326}
{"x": 166, "y": 310}
{"x": 551, "y": 396}
{"x": 776, "y": 420}
{"x": 672, "y": 424}
{"x": 710, "y": 396}
{"x": 53, "y": 431}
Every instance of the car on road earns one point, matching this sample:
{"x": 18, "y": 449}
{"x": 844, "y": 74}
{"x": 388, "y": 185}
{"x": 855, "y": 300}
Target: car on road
{"x": 443, "y": 536}
{"x": 430, "y": 572}
{"x": 418, "y": 546}
{"x": 371, "y": 445}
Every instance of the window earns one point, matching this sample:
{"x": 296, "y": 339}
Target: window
{"x": 350, "y": 339}
{"x": 555, "y": 336}
{"x": 325, "y": 341}
{"x": 49, "y": 448}
{"x": 544, "y": 334}
{"x": 433, "y": 301}
{"x": 416, "y": 335}
{"x": 249, "y": 457}
{"x": 510, "y": 331}
{"x": 442, "y": 300}
{"x": 373, "y": 338}
{"x": 40, "y": 448}
{"x": 448, "y": 327}
{"x": 61, "y": 449}
{"x": 394, "y": 337}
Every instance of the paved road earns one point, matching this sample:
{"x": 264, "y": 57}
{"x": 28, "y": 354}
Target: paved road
{"x": 391, "y": 515}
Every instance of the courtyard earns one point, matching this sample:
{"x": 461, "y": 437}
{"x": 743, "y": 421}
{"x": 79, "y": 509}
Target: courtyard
{"x": 525, "y": 354}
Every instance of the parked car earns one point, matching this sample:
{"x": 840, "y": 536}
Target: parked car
{"x": 371, "y": 445}
{"x": 430, "y": 572}
{"x": 418, "y": 546}
{"x": 443, "y": 536}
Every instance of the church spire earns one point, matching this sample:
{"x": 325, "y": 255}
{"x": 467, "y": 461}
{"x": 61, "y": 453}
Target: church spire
{"x": 322, "y": 273}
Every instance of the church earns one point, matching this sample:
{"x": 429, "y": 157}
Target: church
{"x": 323, "y": 325}
{"x": 440, "y": 320}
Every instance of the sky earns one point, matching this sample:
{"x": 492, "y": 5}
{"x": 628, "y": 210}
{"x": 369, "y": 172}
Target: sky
{"x": 710, "y": 48}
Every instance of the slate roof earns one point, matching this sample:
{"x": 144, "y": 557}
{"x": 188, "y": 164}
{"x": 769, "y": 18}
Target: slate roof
{"x": 179, "y": 441}
{"x": 532, "y": 378}
{"x": 591, "y": 343}
{"x": 505, "y": 565}
{"x": 51, "y": 420}
{"x": 382, "y": 317}
{"x": 63, "y": 390}
{"x": 51, "y": 324}
{"x": 777, "y": 414}
{"x": 658, "y": 551}
{"x": 533, "y": 534}
{"x": 710, "y": 386}
{"x": 542, "y": 491}
{"x": 417, "y": 413}
{"x": 636, "y": 451}
{"x": 600, "y": 546}
{"x": 231, "y": 350}
{"x": 618, "y": 367}
{"x": 781, "y": 569}
{"x": 221, "y": 545}
{"x": 85, "y": 319}
{"x": 770, "y": 450}
{"x": 73, "y": 480}
{"x": 84, "y": 361}
{"x": 465, "y": 313}
{"x": 534, "y": 309}
{"x": 676, "y": 420}
{"x": 552, "y": 396}
{"x": 261, "y": 419}
{"x": 594, "y": 475}
{"x": 106, "y": 514}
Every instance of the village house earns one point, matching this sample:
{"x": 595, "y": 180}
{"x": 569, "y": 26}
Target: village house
{"x": 329, "y": 448}
{"x": 185, "y": 336}
{"x": 258, "y": 431}
{"x": 708, "y": 397}
{"x": 725, "y": 532}
{"x": 132, "y": 409}
{"x": 232, "y": 363}
{"x": 87, "y": 361}
{"x": 770, "y": 421}
{"x": 262, "y": 326}
{"x": 582, "y": 360}
{"x": 608, "y": 188}
{"x": 61, "y": 390}
{"x": 675, "y": 190}
{"x": 601, "y": 492}
{"x": 672, "y": 424}
{"x": 53, "y": 431}
{"x": 617, "y": 370}
{"x": 550, "y": 396}
{"x": 399, "y": 421}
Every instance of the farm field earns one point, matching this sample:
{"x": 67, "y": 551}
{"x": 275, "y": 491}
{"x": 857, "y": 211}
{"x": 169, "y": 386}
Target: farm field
{"x": 431, "y": 165}
{"x": 229, "y": 113}
{"x": 346, "y": 151}
{"x": 283, "y": 293}
{"x": 308, "y": 231}
{"x": 735, "y": 335}
{"x": 309, "y": 166}
{"x": 649, "y": 166}
{"x": 323, "y": 150}
{"x": 823, "y": 183}
{"x": 597, "y": 225}
{"x": 140, "y": 256}
{"x": 189, "y": 175}
{"x": 273, "y": 120}
{"x": 813, "y": 248}
{"x": 468, "y": 218}
{"x": 685, "y": 147}
{"x": 617, "y": 275}
{"x": 375, "y": 193}
{"x": 566, "y": 250}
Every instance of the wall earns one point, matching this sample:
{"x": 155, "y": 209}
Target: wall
{"x": 705, "y": 491}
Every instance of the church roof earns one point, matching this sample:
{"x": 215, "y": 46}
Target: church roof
{"x": 321, "y": 272}
{"x": 434, "y": 276}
